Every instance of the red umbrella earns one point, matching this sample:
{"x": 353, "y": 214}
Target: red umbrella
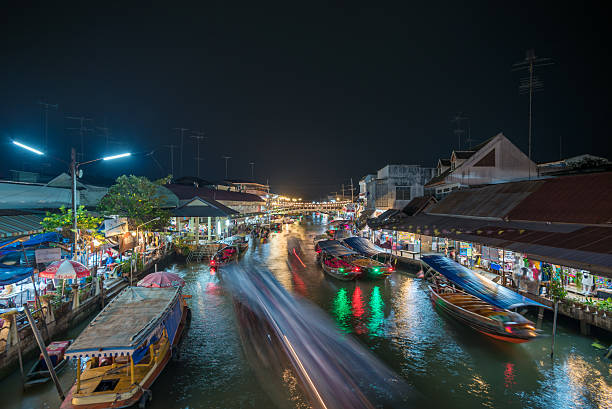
{"x": 161, "y": 279}
{"x": 65, "y": 269}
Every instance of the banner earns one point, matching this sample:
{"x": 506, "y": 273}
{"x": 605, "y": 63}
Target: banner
{"x": 114, "y": 227}
{"x": 48, "y": 255}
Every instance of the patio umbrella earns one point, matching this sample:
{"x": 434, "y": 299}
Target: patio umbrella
{"x": 65, "y": 269}
{"x": 161, "y": 279}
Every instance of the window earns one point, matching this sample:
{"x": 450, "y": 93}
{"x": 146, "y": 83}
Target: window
{"x": 402, "y": 193}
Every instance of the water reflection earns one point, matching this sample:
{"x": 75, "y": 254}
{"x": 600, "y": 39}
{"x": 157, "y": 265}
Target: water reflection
{"x": 377, "y": 313}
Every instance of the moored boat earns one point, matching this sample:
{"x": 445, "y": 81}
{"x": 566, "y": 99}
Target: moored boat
{"x": 485, "y": 318}
{"x": 371, "y": 255}
{"x": 126, "y": 347}
{"x": 336, "y": 260}
{"x": 224, "y": 256}
{"x": 39, "y": 373}
{"x": 478, "y": 302}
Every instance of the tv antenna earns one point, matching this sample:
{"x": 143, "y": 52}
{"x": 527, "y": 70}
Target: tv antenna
{"x": 459, "y": 131}
{"x": 252, "y": 171}
{"x": 226, "y": 159}
{"x": 198, "y": 136}
{"x": 82, "y": 130}
{"x": 171, "y": 157}
{"x": 531, "y": 84}
{"x": 45, "y": 111}
{"x": 182, "y": 131}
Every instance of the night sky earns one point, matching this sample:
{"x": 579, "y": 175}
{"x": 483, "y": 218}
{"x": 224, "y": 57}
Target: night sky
{"x": 313, "y": 95}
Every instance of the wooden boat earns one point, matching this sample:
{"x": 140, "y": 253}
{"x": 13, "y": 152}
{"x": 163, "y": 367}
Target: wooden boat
{"x": 478, "y": 302}
{"x": 336, "y": 260}
{"x": 485, "y": 318}
{"x": 224, "y": 256}
{"x": 239, "y": 241}
{"x": 127, "y": 346}
{"x": 39, "y": 373}
{"x": 372, "y": 268}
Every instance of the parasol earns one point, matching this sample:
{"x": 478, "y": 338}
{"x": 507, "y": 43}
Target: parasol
{"x": 65, "y": 269}
{"x": 161, "y": 279}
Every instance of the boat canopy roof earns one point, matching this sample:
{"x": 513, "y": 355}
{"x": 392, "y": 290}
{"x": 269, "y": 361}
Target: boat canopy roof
{"x": 477, "y": 285}
{"x": 363, "y": 246}
{"x": 126, "y": 322}
{"x": 335, "y": 248}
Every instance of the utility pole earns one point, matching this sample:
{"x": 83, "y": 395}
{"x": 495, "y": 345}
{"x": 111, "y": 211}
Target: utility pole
{"x": 226, "y": 159}
{"x": 198, "y": 136}
{"x": 73, "y": 170}
{"x": 529, "y": 85}
{"x": 45, "y": 110}
{"x": 171, "y": 157}
{"x": 352, "y": 195}
{"x": 182, "y": 131}
{"x": 252, "y": 171}
{"x": 82, "y": 129}
{"x": 343, "y": 192}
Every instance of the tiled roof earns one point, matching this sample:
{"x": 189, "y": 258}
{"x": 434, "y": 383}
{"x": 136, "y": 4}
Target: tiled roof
{"x": 463, "y": 154}
{"x": 205, "y": 208}
{"x": 438, "y": 179}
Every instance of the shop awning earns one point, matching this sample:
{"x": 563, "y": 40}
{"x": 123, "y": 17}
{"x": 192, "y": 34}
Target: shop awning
{"x": 20, "y": 225}
{"x": 477, "y": 285}
{"x": 570, "y": 245}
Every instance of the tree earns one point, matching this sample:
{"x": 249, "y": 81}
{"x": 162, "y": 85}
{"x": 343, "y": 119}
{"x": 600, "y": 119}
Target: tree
{"x": 138, "y": 199}
{"x": 63, "y": 220}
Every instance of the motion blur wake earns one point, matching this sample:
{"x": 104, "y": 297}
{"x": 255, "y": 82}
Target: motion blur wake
{"x": 294, "y": 342}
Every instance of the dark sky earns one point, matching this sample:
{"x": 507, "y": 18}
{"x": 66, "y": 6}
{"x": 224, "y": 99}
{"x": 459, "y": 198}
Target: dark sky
{"x": 313, "y": 95}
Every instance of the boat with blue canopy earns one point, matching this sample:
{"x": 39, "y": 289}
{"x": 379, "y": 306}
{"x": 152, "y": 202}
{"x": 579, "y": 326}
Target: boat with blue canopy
{"x": 126, "y": 347}
{"x": 479, "y": 302}
{"x": 371, "y": 263}
{"x": 337, "y": 260}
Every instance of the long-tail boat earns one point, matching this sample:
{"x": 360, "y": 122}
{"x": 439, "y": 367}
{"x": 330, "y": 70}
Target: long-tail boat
{"x": 478, "y": 302}
{"x": 39, "y": 373}
{"x": 126, "y": 347}
{"x": 370, "y": 261}
{"x": 336, "y": 260}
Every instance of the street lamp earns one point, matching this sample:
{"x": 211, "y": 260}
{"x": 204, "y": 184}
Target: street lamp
{"x": 74, "y": 167}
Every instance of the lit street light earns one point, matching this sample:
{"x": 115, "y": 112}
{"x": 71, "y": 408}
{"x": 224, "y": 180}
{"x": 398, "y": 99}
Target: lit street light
{"x": 74, "y": 167}
{"x": 36, "y": 151}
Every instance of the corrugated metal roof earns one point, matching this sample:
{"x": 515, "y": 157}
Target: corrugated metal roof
{"x": 585, "y": 199}
{"x": 20, "y": 225}
{"x": 418, "y": 204}
{"x": 579, "y": 246}
{"x": 493, "y": 201}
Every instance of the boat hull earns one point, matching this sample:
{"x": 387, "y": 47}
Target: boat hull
{"x": 477, "y": 322}
{"x": 133, "y": 396}
{"x": 34, "y": 378}
{"x": 344, "y": 276}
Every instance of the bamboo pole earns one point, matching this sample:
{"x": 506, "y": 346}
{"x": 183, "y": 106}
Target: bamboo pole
{"x": 552, "y": 347}
{"x": 78, "y": 375}
{"x": 43, "y": 350}
{"x": 16, "y": 334}
{"x": 132, "y": 369}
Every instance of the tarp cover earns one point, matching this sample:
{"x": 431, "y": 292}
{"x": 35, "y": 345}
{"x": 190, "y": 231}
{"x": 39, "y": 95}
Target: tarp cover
{"x": 131, "y": 319}
{"x": 335, "y": 248}
{"x": 36, "y": 240}
{"x": 477, "y": 285}
{"x": 363, "y": 246}
{"x": 14, "y": 274}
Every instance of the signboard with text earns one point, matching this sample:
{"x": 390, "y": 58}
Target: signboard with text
{"x": 48, "y": 255}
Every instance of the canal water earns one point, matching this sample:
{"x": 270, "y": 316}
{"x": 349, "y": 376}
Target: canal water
{"x": 452, "y": 366}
